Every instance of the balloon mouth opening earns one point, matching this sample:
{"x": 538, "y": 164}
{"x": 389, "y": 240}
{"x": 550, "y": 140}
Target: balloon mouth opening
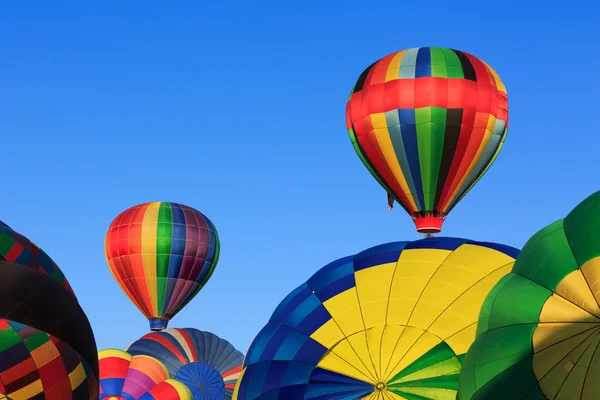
{"x": 429, "y": 224}
{"x": 158, "y": 324}
{"x": 380, "y": 386}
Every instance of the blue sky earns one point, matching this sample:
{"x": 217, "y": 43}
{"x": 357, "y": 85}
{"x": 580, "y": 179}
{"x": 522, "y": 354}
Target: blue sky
{"x": 237, "y": 109}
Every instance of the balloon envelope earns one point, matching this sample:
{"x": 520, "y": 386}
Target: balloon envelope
{"x": 393, "y": 321}
{"x": 127, "y": 377}
{"x": 539, "y": 327}
{"x": 36, "y": 365}
{"x": 208, "y": 365}
{"x": 161, "y": 254}
{"x": 427, "y": 123}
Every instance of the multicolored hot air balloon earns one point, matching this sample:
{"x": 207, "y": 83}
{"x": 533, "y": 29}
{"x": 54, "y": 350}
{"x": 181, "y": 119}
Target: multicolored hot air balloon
{"x": 539, "y": 328}
{"x": 161, "y": 255}
{"x": 127, "y": 377}
{"x": 34, "y": 364}
{"x": 392, "y": 322}
{"x": 208, "y": 365}
{"x": 47, "y": 347}
{"x": 428, "y": 123}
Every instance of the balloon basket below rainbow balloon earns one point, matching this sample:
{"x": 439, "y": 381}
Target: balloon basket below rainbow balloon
{"x": 429, "y": 224}
{"x": 158, "y": 324}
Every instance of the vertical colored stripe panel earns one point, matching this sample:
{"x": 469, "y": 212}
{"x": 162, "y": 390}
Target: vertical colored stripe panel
{"x": 430, "y": 138}
{"x": 382, "y": 136}
{"x": 379, "y": 73}
{"x": 149, "y": 229}
{"x": 177, "y": 251}
{"x": 163, "y": 251}
{"x": 467, "y": 67}
{"x": 453, "y": 65}
{"x": 374, "y": 154}
{"x": 423, "y": 67}
{"x": 452, "y": 132}
{"x": 368, "y": 164}
{"x": 438, "y": 63}
{"x": 184, "y": 283}
{"x": 485, "y": 170}
{"x": 212, "y": 255}
{"x": 393, "y": 122}
{"x": 487, "y": 155}
{"x": 499, "y": 85}
{"x": 408, "y": 128}
{"x": 132, "y": 257}
{"x": 408, "y": 64}
{"x": 393, "y": 71}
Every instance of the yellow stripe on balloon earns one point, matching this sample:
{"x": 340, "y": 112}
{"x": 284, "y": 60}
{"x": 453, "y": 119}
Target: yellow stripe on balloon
{"x": 149, "y": 231}
{"x": 382, "y": 135}
{"x": 343, "y": 308}
{"x": 182, "y": 390}
{"x": 328, "y": 334}
{"x": 373, "y": 288}
{"x": 393, "y": 70}
{"x": 499, "y": 83}
{"x": 413, "y": 273}
{"x": 109, "y": 353}
{"x": 29, "y": 391}
{"x": 333, "y": 362}
{"x": 236, "y": 389}
{"x": 77, "y": 376}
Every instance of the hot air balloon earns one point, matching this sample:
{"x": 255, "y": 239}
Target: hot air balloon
{"x": 34, "y": 363}
{"x": 161, "y": 255}
{"x": 427, "y": 123}
{"x": 538, "y": 331}
{"x": 392, "y": 322}
{"x": 208, "y": 365}
{"x": 45, "y": 336}
{"x": 123, "y": 376}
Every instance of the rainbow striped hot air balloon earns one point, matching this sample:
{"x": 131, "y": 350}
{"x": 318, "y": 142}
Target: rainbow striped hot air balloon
{"x": 161, "y": 254}
{"x": 428, "y": 123}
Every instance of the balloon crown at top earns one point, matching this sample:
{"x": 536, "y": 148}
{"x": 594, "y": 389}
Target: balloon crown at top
{"x": 428, "y": 123}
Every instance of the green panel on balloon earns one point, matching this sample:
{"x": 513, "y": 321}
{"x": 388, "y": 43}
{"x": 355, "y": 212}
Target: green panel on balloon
{"x": 582, "y": 227}
{"x": 546, "y": 258}
{"x": 518, "y": 302}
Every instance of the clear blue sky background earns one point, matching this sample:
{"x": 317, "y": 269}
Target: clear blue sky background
{"x": 237, "y": 109}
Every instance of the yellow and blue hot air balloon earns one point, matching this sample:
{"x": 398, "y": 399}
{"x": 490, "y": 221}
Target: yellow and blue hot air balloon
{"x": 391, "y": 322}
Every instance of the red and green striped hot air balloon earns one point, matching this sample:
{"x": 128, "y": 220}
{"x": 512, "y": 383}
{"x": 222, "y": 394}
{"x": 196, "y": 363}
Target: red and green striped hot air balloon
{"x": 428, "y": 123}
{"x": 161, "y": 254}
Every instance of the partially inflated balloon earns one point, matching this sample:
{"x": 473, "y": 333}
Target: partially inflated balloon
{"x": 392, "y": 322}
{"x": 36, "y": 365}
{"x": 161, "y": 254}
{"x": 208, "y": 365}
{"x": 539, "y": 329}
{"x": 428, "y": 122}
{"x": 127, "y": 377}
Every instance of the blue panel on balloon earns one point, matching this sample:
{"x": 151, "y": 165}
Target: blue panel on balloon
{"x": 204, "y": 381}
